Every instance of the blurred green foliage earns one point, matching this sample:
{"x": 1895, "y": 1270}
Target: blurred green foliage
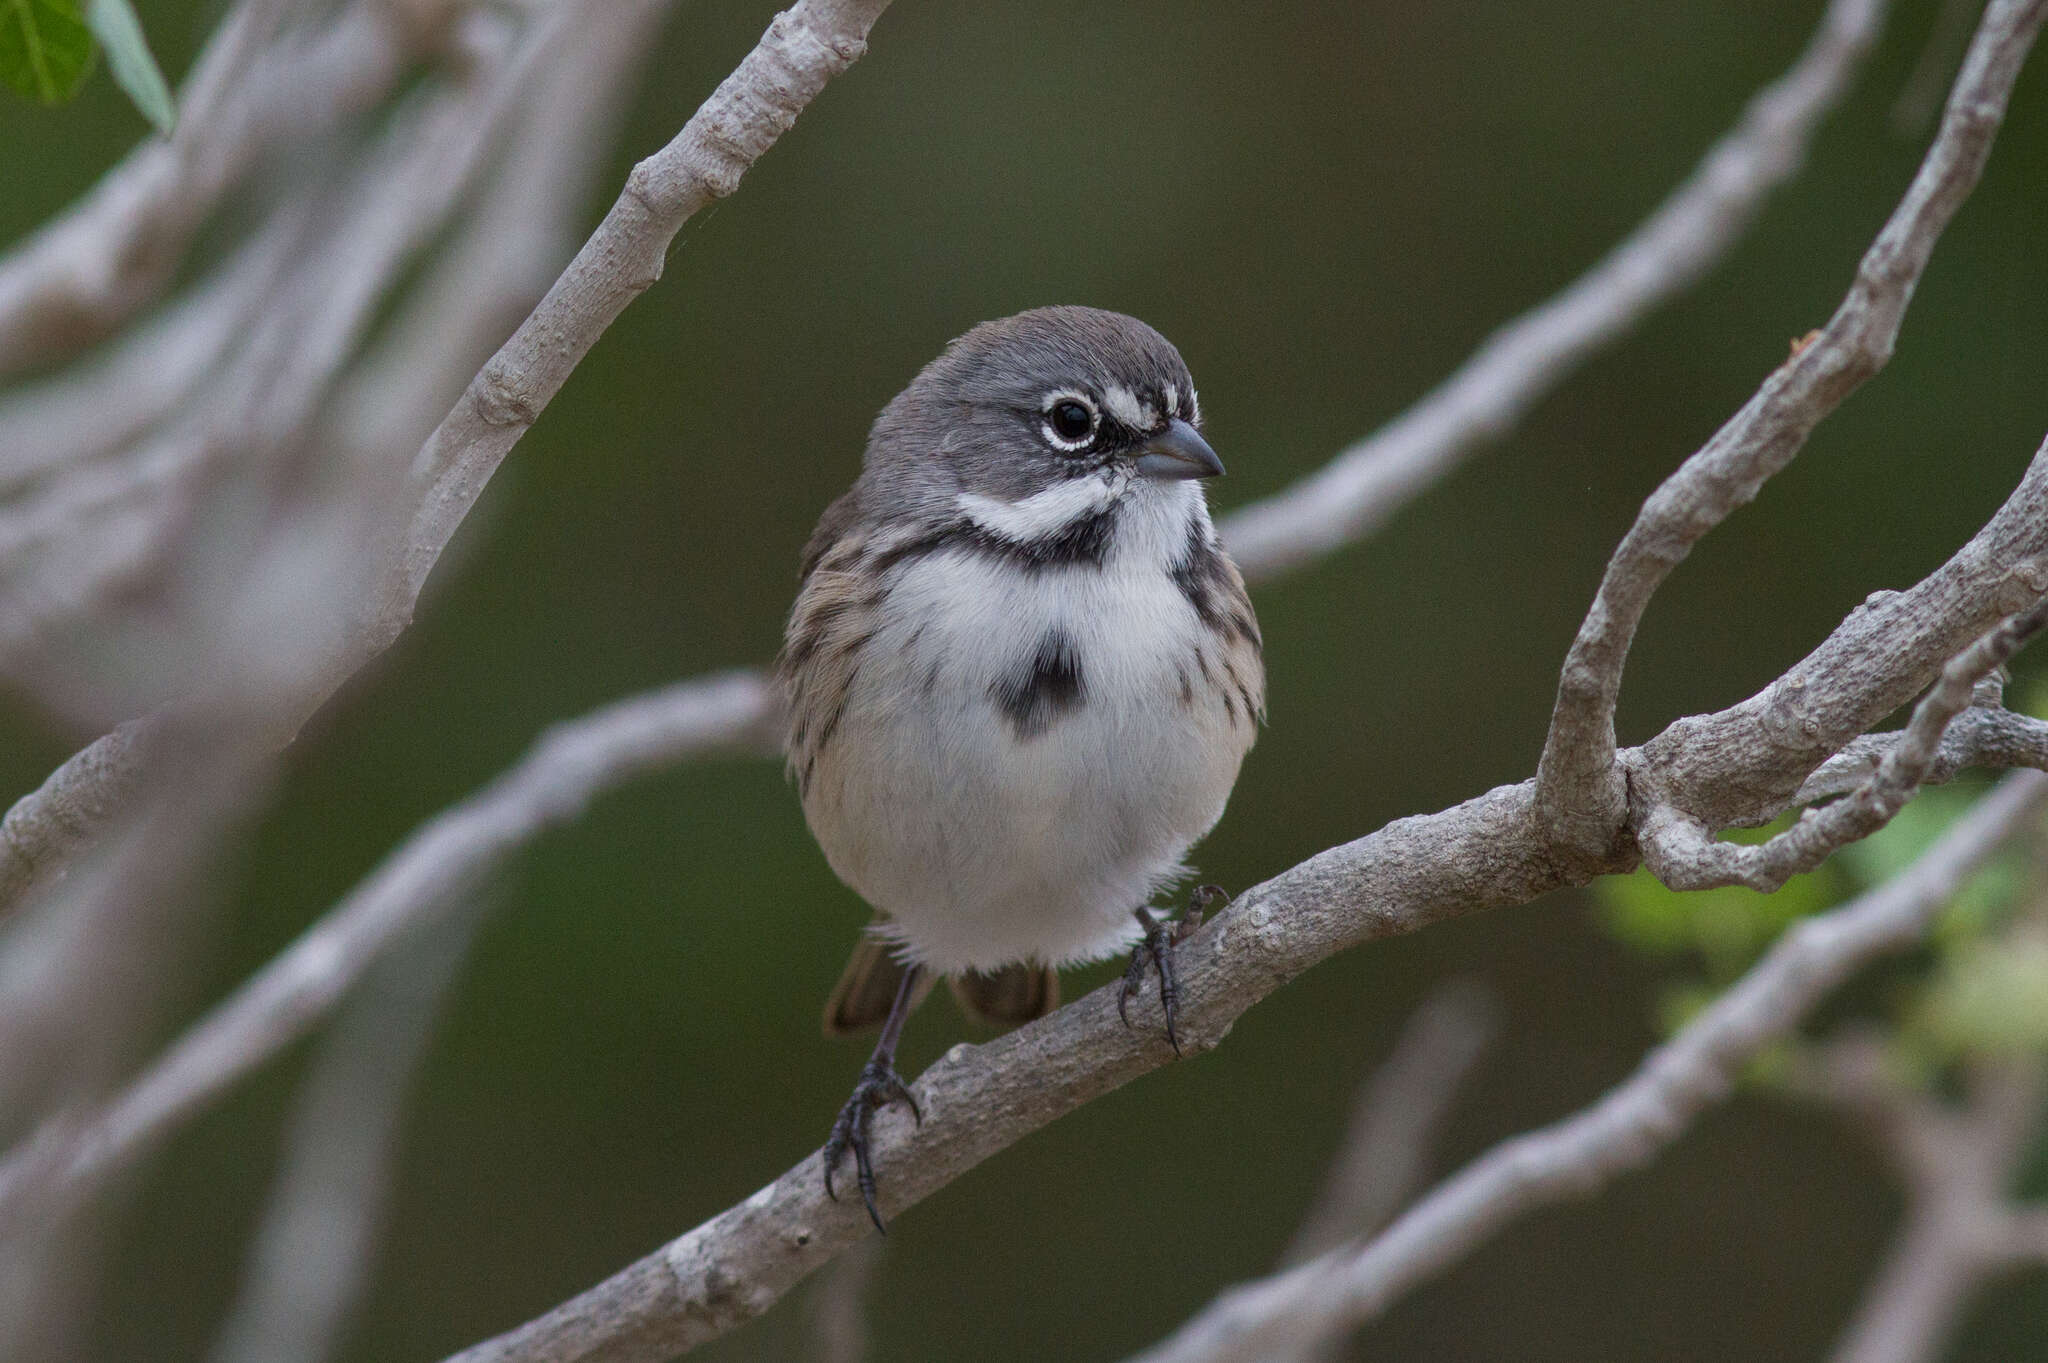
{"x": 47, "y": 48}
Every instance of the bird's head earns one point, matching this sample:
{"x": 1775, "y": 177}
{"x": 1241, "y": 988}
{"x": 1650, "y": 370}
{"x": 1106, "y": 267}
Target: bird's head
{"x": 1030, "y": 422}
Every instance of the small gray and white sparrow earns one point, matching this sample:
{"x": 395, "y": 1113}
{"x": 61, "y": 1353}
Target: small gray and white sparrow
{"x": 1021, "y": 675}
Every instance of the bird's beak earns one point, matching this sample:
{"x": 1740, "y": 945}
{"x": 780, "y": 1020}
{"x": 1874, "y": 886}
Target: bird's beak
{"x": 1178, "y": 452}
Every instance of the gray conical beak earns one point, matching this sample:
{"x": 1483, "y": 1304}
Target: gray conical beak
{"x": 1178, "y": 452}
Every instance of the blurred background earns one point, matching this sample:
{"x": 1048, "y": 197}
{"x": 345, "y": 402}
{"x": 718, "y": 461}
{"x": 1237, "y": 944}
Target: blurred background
{"x": 1326, "y": 207}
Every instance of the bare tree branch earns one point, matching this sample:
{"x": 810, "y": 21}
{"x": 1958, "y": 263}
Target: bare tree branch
{"x": 1624, "y": 1130}
{"x": 88, "y": 971}
{"x": 1483, "y": 854}
{"x": 1957, "y": 1163}
{"x": 839, "y": 1323}
{"x": 1399, "y": 1114}
{"x": 567, "y": 768}
{"x": 1980, "y": 737}
{"x": 118, "y": 397}
{"x": 1486, "y": 853}
{"x": 1684, "y": 854}
{"x": 1581, "y": 790}
{"x": 802, "y": 50}
{"x": 310, "y": 1257}
{"x": 1526, "y": 358}
{"x": 1397, "y": 1117}
{"x": 89, "y": 270}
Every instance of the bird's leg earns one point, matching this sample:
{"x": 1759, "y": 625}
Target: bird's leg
{"x": 878, "y": 1084}
{"x": 1157, "y": 950}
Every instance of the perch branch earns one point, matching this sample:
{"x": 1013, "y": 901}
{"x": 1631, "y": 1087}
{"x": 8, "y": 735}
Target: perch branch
{"x": 1624, "y": 1130}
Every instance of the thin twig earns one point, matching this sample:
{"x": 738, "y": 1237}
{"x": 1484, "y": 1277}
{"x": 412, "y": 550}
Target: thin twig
{"x": 1684, "y": 854}
{"x": 88, "y": 271}
{"x": 563, "y": 772}
{"x": 1979, "y": 737}
{"x": 1582, "y": 793}
{"x": 839, "y": 1318}
{"x": 1526, "y": 358}
{"x": 1957, "y": 1163}
{"x": 311, "y": 1255}
{"x": 801, "y": 51}
{"x": 1397, "y": 1116}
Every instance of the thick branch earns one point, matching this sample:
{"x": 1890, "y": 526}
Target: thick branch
{"x": 1624, "y": 1130}
{"x": 1744, "y": 765}
{"x": 1581, "y": 789}
{"x": 1483, "y": 854}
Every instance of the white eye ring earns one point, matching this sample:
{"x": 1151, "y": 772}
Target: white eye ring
{"x": 1068, "y": 444}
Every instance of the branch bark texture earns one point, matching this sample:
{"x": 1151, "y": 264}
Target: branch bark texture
{"x": 1624, "y": 1130}
{"x": 1581, "y": 790}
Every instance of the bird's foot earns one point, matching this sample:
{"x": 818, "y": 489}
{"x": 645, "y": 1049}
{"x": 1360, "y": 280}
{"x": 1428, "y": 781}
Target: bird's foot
{"x": 879, "y": 1085}
{"x": 1156, "y": 950}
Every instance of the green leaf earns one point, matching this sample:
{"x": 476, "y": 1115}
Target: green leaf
{"x": 114, "y": 23}
{"x": 45, "y": 48}
{"x": 1991, "y": 999}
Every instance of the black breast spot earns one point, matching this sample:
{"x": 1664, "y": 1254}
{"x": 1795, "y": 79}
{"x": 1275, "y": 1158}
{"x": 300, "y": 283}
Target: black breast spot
{"x": 1041, "y": 688}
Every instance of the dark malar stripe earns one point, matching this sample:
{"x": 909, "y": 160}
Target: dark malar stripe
{"x": 1043, "y": 688}
{"x": 1202, "y": 578}
{"x": 1085, "y": 540}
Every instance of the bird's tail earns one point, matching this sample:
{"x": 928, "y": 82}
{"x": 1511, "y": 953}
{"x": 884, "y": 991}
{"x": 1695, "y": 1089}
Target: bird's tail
{"x": 1003, "y": 998}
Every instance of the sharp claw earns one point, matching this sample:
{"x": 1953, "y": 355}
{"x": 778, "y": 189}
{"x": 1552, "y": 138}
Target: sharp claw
{"x": 878, "y": 1086}
{"x": 865, "y": 1171}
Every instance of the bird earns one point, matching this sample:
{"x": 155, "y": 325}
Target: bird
{"x": 1020, "y": 676}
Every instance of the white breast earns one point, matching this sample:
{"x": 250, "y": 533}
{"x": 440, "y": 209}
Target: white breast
{"x": 986, "y": 846}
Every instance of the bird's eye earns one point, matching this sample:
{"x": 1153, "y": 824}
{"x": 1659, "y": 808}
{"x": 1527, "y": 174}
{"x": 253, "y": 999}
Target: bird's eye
{"x": 1070, "y": 422}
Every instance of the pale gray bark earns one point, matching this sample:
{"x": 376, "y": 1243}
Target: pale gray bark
{"x": 1683, "y": 853}
{"x": 90, "y": 270}
{"x": 1580, "y": 787}
{"x": 1397, "y": 1117}
{"x": 1957, "y": 1162}
{"x": 310, "y": 1258}
{"x": 1627, "y": 1128}
{"x": 565, "y": 770}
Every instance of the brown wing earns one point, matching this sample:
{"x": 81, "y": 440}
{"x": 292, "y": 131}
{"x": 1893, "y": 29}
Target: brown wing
{"x": 831, "y": 622}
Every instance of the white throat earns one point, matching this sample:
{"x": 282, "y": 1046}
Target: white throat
{"x": 1044, "y": 513}
{"x": 1152, "y": 520}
